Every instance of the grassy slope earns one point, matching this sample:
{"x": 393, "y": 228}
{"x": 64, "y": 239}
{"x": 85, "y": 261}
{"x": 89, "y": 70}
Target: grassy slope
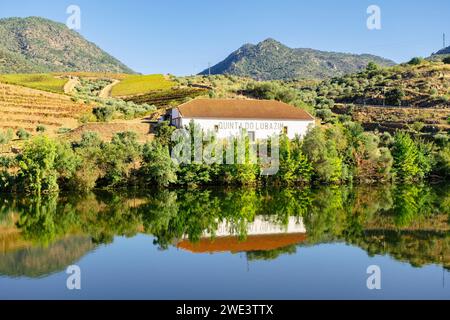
{"x": 141, "y": 84}
{"x": 45, "y": 82}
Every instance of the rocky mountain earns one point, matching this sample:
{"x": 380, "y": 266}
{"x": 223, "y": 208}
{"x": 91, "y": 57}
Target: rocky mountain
{"x": 444, "y": 51}
{"x": 271, "y": 60}
{"x": 32, "y": 45}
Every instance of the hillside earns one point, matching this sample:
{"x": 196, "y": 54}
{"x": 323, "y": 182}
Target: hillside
{"x": 27, "y": 108}
{"x": 421, "y": 85}
{"x": 410, "y": 96}
{"x": 271, "y": 60}
{"x": 38, "y": 45}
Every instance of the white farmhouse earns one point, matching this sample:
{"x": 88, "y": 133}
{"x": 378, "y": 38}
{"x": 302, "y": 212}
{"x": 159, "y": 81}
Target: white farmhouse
{"x": 228, "y": 117}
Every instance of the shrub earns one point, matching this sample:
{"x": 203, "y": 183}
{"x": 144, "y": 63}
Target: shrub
{"x": 23, "y": 134}
{"x": 417, "y": 126}
{"x": 87, "y": 117}
{"x": 372, "y": 66}
{"x": 443, "y": 160}
{"x": 395, "y": 96}
{"x": 103, "y": 114}
{"x": 446, "y": 60}
{"x": 40, "y": 128}
{"x": 6, "y": 137}
{"x": 63, "y": 130}
{"x": 416, "y": 61}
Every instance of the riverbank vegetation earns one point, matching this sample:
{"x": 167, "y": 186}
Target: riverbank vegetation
{"x": 333, "y": 154}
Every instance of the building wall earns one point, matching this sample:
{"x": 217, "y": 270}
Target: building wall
{"x": 261, "y": 128}
{"x": 261, "y": 226}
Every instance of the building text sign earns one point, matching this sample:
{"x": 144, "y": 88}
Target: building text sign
{"x": 250, "y": 125}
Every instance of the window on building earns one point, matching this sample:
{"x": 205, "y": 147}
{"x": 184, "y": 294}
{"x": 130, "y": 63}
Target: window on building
{"x": 216, "y": 128}
{"x": 251, "y": 135}
{"x": 285, "y": 130}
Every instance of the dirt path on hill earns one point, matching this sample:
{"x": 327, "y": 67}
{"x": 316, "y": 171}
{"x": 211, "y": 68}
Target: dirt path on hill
{"x": 71, "y": 84}
{"x": 106, "y": 92}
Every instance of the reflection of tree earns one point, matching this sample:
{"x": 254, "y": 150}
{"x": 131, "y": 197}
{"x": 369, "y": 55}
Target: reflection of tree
{"x": 412, "y": 203}
{"x": 324, "y": 220}
{"x": 116, "y": 218}
{"x": 271, "y": 254}
{"x": 42, "y": 219}
{"x": 410, "y": 223}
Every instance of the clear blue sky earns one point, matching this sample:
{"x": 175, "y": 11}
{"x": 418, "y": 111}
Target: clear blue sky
{"x": 181, "y": 37}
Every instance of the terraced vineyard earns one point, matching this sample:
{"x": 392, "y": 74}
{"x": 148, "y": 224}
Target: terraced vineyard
{"x": 45, "y": 82}
{"x": 93, "y": 75}
{"x": 141, "y": 84}
{"x": 27, "y": 108}
{"x": 430, "y": 120}
{"x": 167, "y": 97}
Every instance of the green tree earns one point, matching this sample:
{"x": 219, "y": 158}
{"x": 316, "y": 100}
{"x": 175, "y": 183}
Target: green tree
{"x": 66, "y": 162}
{"x": 294, "y": 165}
{"x": 323, "y": 155}
{"x": 157, "y": 166}
{"x": 37, "y": 165}
{"x": 163, "y": 132}
{"x": 120, "y": 158}
{"x": 89, "y": 149}
{"x": 410, "y": 163}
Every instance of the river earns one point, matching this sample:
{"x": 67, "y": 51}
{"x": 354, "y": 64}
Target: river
{"x": 321, "y": 243}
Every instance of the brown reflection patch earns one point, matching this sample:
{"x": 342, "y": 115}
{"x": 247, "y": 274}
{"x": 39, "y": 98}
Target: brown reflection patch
{"x": 234, "y": 244}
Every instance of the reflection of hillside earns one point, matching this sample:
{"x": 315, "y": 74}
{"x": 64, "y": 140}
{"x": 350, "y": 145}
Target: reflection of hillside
{"x": 10, "y": 240}
{"x": 418, "y": 247}
{"x": 40, "y": 261}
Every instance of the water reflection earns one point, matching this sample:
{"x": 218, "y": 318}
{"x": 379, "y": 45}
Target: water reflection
{"x": 43, "y": 235}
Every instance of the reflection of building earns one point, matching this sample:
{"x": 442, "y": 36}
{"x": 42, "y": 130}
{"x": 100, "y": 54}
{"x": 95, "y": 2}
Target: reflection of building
{"x": 262, "y": 235}
{"x": 228, "y": 117}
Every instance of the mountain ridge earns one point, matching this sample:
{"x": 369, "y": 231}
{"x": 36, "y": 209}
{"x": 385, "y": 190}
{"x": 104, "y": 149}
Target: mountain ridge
{"x": 272, "y": 60}
{"x": 40, "y": 45}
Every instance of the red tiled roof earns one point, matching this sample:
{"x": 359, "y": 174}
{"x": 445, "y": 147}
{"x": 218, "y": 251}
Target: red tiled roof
{"x": 242, "y": 109}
